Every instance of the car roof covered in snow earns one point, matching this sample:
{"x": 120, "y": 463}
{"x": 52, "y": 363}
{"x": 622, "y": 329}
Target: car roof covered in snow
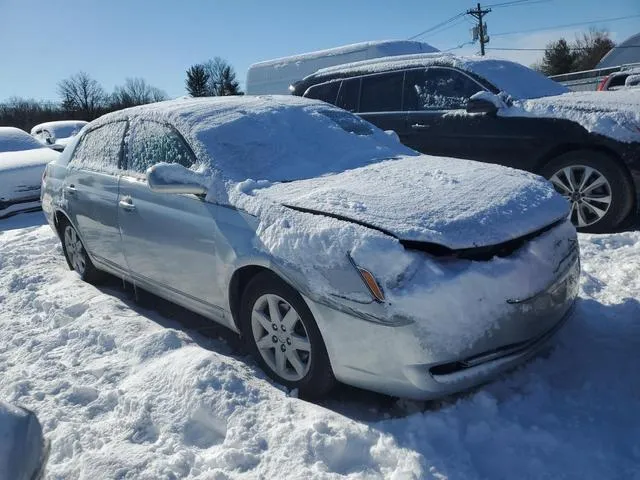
{"x": 279, "y": 137}
{"x": 13, "y": 139}
{"x": 515, "y": 79}
{"x": 59, "y": 124}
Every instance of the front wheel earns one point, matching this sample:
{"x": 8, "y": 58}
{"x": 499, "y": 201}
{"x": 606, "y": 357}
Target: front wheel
{"x": 76, "y": 254}
{"x": 281, "y": 333}
{"x": 598, "y": 188}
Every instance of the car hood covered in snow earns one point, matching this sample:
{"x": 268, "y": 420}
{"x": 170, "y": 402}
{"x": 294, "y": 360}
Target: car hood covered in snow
{"x": 457, "y": 204}
{"x": 614, "y": 114}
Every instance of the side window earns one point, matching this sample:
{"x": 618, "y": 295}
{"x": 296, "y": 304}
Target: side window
{"x": 382, "y": 93}
{"x": 437, "y": 89}
{"x": 327, "y": 92}
{"x": 152, "y": 142}
{"x": 349, "y": 94}
{"x": 100, "y": 149}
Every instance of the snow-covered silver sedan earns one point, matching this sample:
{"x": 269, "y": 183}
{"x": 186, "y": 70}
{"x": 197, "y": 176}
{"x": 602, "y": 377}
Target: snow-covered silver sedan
{"x": 336, "y": 252}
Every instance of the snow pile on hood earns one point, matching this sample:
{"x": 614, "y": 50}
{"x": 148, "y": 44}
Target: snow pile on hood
{"x": 514, "y": 78}
{"x": 455, "y": 203}
{"x": 13, "y": 139}
{"x": 21, "y": 171}
{"x": 123, "y": 391}
{"x": 614, "y": 114}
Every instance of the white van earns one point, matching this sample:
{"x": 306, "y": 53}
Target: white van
{"x": 275, "y": 76}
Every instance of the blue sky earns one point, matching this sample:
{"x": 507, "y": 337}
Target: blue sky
{"x": 46, "y": 41}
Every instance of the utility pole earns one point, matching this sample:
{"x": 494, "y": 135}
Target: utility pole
{"x": 480, "y": 32}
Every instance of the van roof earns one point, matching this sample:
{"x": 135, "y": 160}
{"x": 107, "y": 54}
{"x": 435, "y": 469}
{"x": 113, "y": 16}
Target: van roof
{"x": 388, "y": 47}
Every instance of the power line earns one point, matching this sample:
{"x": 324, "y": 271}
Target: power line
{"x": 516, "y": 3}
{"x": 435, "y": 27}
{"x": 544, "y": 49}
{"x": 577, "y": 24}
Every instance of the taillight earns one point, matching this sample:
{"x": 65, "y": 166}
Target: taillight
{"x": 602, "y": 83}
{"x": 44, "y": 174}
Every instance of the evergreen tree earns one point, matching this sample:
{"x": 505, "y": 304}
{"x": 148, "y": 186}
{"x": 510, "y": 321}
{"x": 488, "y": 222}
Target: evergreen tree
{"x": 558, "y": 58}
{"x": 197, "y": 81}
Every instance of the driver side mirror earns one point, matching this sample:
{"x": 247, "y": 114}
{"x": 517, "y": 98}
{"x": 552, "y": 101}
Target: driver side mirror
{"x": 481, "y": 105}
{"x": 174, "y": 178}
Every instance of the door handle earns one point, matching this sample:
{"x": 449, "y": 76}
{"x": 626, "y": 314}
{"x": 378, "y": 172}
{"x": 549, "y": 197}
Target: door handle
{"x": 127, "y": 205}
{"x": 420, "y": 126}
{"x": 70, "y": 189}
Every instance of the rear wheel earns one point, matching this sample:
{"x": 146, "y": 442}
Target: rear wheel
{"x": 76, "y": 255}
{"x": 281, "y": 333}
{"x": 600, "y": 193}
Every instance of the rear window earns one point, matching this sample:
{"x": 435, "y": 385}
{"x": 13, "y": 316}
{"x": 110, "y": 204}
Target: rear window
{"x": 349, "y": 95}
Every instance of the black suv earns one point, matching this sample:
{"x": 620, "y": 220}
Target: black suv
{"x": 425, "y": 99}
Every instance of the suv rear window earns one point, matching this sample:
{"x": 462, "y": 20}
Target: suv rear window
{"x": 349, "y": 95}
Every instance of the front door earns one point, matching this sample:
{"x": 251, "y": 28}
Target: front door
{"x": 90, "y": 192}
{"x": 435, "y": 99}
{"x": 169, "y": 239}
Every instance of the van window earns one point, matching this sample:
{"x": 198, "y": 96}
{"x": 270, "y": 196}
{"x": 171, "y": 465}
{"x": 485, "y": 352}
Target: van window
{"x": 437, "y": 89}
{"x": 349, "y": 95}
{"x": 327, "y": 92}
{"x": 381, "y": 93}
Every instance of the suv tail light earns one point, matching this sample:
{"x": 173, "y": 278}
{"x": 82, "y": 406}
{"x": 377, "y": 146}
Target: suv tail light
{"x": 44, "y": 174}
{"x": 602, "y": 83}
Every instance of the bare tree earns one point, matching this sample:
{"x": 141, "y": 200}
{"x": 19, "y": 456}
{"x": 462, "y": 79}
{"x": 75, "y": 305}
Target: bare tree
{"x": 82, "y": 93}
{"x": 591, "y": 46}
{"x": 136, "y": 91}
{"x": 222, "y": 78}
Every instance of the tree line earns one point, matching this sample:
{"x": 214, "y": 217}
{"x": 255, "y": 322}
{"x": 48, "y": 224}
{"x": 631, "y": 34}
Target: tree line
{"x": 583, "y": 53}
{"x": 82, "y": 97}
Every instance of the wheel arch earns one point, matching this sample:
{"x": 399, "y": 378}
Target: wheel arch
{"x": 237, "y": 285}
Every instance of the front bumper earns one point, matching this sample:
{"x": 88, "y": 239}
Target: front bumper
{"x": 401, "y": 361}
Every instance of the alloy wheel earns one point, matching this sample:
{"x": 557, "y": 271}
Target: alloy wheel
{"x": 281, "y": 337}
{"x": 587, "y": 189}
{"x": 75, "y": 250}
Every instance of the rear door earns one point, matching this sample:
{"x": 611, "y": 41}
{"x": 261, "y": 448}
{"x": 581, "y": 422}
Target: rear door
{"x": 435, "y": 99}
{"x": 90, "y": 191}
{"x": 380, "y": 101}
{"x": 169, "y": 239}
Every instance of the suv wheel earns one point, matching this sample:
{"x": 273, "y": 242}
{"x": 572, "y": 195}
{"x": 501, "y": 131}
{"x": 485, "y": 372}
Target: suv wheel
{"x": 597, "y": 187}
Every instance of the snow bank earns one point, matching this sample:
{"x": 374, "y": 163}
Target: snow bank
{"x": 13, "y": 139}
{"x": 122, "y": 391}
{"x": 22, "y": 447}
{"x": 614, "y": 114}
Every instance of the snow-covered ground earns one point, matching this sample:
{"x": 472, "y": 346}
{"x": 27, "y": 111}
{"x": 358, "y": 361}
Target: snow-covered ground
{"x": 124, "y": 390}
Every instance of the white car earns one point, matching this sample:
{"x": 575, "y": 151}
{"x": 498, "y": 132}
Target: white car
{"x": 22, "y": 163}
{"x": 57, "y": 134}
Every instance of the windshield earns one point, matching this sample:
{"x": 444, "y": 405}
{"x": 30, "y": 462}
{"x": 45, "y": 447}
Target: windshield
{"x": 517, "y": 80}
{"x": 292, "y": 143}
{"x": 13, "y": 140}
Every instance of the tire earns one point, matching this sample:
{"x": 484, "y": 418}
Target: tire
{"x": 598, "y": 209}
{"x": 76, "y": 255}
{"x": 306, "y": 368}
